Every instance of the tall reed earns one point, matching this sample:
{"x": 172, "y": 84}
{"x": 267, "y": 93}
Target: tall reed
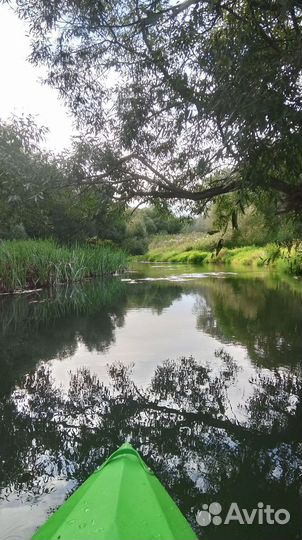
{"x": 31, "y": 264}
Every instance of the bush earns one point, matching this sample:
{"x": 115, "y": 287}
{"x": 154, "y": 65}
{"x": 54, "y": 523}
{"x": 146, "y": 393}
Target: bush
{"x": 197, "y": 257}
{"x": 136, "y": 245}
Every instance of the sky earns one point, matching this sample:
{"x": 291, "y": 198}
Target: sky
{"x": 21, "y": 91}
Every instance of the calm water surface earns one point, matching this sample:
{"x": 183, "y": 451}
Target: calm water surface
{"x": 200, "y": 370}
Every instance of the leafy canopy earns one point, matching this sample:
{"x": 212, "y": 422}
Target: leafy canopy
{"x": 178, "y": 91}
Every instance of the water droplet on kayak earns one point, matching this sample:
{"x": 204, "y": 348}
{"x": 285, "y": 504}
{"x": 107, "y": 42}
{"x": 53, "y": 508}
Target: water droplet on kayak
{"x": 86, "y": 509}
{"x": 82, "y": 525}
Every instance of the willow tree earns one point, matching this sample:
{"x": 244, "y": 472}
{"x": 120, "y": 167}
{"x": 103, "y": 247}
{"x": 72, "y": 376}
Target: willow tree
{"x": 185, "y": 101}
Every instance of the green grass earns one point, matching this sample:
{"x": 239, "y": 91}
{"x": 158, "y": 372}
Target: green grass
{"x": 201, "y": 249}
{"x": 193, "y": 241}
{"x": 31, "y": 264}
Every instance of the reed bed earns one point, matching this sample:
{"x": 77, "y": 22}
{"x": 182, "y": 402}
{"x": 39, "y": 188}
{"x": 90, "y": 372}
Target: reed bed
{"x": 34, "y": 264}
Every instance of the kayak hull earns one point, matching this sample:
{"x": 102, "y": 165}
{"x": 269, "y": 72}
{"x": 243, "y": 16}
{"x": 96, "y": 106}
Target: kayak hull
{"x": 122, "y": 500}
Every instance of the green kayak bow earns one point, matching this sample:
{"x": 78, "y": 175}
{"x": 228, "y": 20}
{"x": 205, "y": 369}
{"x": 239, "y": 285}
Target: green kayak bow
{"x": 122, "y": 500}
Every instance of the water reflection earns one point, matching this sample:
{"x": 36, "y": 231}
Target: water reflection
{"x": 264, "y": 319}
{"x": 255, "y": 313}
{"x": 178, "y": 422}
{"x": 49, "y": 325}
{"x": 218, "y": 425}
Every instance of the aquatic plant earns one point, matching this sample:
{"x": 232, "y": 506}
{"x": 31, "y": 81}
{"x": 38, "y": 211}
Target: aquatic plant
{"x": 32, "y": 264}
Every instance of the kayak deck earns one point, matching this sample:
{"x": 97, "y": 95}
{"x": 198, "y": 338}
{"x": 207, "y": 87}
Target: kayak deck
{"x": 122, "y": 500}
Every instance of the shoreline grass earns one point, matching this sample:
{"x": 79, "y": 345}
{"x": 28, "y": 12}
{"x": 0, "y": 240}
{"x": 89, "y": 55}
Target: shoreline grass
{"x": 285, "y": 259}
{"x": 33, "y": 264}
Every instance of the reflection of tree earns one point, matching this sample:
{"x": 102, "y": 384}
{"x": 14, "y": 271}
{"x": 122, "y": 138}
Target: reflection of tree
{"x": 277, "y": 403}
{"x": 179, "y": 423}
{"x": 51, "y": 324}
{"x": 157, "y": 296}
{"x": 265, "y": 320}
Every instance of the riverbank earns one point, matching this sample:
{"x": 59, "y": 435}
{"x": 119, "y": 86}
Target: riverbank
{"x": 34, "y": 264}
{"x": 203, "y": 250}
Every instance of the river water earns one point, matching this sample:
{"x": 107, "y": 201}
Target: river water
{"x": 199, "y": 369}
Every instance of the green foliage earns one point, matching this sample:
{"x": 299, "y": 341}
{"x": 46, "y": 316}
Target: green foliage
{"x": 38, "y": 195}
{"x": 254, "y": 220}
{"x": 32, "y": 264}
{"x": 286, "y": 259}
{"x": 146, "y": 222}
{"x": 24, "y": 173}
{"x": 136, "y": 245}
{"x": 188, "y": 241}
{"x": 43, "y": 196}
{"x": 273, "y": 252}
{"x": 197, "y": 257}
{"x": 189, "y": 256}
{"x": 160, "y": 220}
